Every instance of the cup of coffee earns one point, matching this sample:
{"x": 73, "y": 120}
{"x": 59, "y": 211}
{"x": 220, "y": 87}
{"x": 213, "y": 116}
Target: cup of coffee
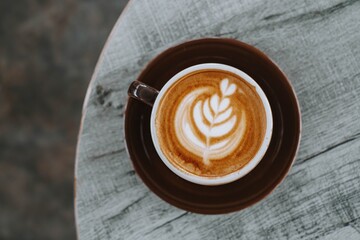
{"x": 210, "y": 124}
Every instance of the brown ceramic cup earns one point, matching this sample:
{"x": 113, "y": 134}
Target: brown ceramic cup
{"x": 153, "y": 97}
{"x": 274, "y": 164}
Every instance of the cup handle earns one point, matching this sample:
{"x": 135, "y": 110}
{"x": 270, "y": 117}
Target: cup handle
{"x": 143, "y": 92}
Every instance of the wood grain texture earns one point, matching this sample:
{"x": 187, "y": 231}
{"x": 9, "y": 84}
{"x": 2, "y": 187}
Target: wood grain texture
{"x": 316, "y": 43}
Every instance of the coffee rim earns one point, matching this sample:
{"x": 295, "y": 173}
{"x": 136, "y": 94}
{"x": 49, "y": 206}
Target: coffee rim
{"x": 213, "y": 181}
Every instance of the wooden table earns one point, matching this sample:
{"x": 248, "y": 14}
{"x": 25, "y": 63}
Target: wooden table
{"x": 316, "y": 43}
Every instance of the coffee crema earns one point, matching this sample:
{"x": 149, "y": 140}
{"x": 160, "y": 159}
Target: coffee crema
{"x": 210, "y": 123}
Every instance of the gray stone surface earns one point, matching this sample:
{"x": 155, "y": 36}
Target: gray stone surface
{"x": 316, "y": 43}
{"x": 48, "y": 50}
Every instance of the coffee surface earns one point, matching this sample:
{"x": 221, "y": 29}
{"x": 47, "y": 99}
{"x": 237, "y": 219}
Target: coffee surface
{"x": 210, "y": 123}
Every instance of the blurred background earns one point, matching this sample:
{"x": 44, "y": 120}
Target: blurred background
{"x": 48, "y": 51}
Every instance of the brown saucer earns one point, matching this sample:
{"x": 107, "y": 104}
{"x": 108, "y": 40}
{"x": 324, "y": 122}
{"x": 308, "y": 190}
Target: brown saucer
{"x": 260, "y": 181}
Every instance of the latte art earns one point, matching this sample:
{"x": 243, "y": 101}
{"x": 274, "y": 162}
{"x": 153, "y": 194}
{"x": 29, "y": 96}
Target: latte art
{"x": 210, "y": 123}
{"x": 209, "y": 127}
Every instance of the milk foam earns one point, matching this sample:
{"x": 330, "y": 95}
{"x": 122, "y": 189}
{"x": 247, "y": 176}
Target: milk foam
{"x": 209, "y": 127}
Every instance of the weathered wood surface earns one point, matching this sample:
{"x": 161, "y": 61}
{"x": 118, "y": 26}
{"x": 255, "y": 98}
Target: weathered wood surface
{"x": 316, "y": 43}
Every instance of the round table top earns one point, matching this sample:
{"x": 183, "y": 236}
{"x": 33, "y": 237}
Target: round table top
{"x": 316, "y": 43}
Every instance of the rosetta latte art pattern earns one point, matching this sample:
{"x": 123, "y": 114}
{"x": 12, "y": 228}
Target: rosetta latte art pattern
{"x": 209, "y": 127}
{"x": 210, "y": 123}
